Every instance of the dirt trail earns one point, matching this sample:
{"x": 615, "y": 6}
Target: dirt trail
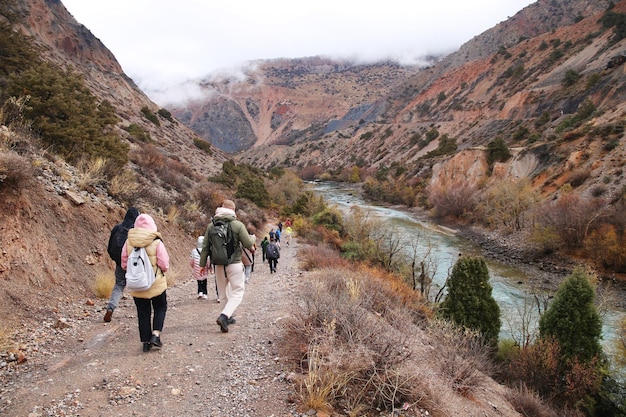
{"x": 99, "y": 369}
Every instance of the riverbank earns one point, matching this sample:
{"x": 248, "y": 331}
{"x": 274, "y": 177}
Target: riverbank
{"x": 544, "y": 271}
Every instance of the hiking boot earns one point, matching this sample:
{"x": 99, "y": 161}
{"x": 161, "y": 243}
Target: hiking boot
{"x": 222, "y": 321}
{"x": 155, "y": 341}
{"x": 146, "y": 347}
{"x": 231, "y": 320}
{"x": 107, "y": 315}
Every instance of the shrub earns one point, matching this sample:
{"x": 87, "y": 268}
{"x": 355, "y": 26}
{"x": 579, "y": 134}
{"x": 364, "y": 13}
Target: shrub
{"x": 605, "y": 247}
{"x": 348, "y": 349}
{"x": 507, "y": 204}
{"x": 203, "y": 144}
{"x": 103, "y": 284}
{"x": 16, "y": 172}
{"x": 148, "y": 114}
{"x": 164, "y": 113}
{"x": 570, "y": 217}
{"x": 138, "y": 132}
{"x": 570, "y": 78}
{"x": 123, "y": 185}
{"x": 91, "y": 172}
{"x": 462, "y": 355}
{"x": 457, "y": 200}
{"x": 330, "y": 218}
{"x": 573, "y": 320}
{"x": 253, "y": 188}
{"x": 469, "y": 302}
{"x": 446, "y": 146}
{"x": 497, "y": 151}
{"x": 528, "y": 403}
{"x": 67, "y": 114}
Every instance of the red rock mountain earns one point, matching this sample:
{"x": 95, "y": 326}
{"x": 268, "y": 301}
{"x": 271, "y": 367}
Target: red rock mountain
{"x": 522, "y": 81}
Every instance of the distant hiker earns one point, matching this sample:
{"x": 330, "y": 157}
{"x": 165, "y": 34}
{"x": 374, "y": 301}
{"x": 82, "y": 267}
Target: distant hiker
{"x": 231, "y": 273}
{"x": 288, "y": 233}
{"x": 247, "y": 258}
{"x": 118, "y": 237}
{"x": 200, "y": 275}
{"x": 288, "y": 223}
{"x": 264, "y": 244}
{"x": 280, "y": 227}
{"x": 272, "y": 234}
{"x": 145, "y": 235}
{"x": 277, "y": 236}
{"x": 273, "y": 253}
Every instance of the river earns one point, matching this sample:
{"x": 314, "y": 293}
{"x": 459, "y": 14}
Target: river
{"x": 509, "y": 288}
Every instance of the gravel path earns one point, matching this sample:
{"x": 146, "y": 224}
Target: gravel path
{"x": 77, "y": 365}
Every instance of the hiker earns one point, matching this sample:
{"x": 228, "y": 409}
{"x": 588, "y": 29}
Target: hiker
{"x": 288, "y": 233}
{"x": 247, "y": 258}
{"x": 231, "y": 274}
{"x": 118, "y": 237}
{"x": 272, "y": 234}
{"x": 273, "y": 253}
{"x": 198, "y": 274}
{"x": 277, "y": 236}
{"x": 280, "y": 226}
{"x": 264, "y": 244}
{"x": 145, "y": 235}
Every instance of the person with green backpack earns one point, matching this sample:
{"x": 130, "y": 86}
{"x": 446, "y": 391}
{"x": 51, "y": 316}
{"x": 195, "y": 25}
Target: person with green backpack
{"x": 223, "y": 241}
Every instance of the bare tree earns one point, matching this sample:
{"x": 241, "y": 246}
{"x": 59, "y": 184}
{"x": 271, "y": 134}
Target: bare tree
{"x": 388, "y": 244}
{"x": 524, "y": 332}
{"x": 423, "y": 263}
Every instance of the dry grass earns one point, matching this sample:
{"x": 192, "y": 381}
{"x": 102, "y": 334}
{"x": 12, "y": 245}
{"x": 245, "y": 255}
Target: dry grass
{"x": 528, "y": 403}
{"x": 322, "y": 384}
{"x": 103, "y": 284}
{"x": 462, "y": 356}
{"x": 352, "y": 357}
{"x": 316, "y": 257}
{"x": 172, "y": 276}
{"x": 173, "y": 214}
{"x": 124, "y": 184}
{"x": 91, "y": 172}
{"x": 16, "y": 172}
{"x": 6, "y": 340}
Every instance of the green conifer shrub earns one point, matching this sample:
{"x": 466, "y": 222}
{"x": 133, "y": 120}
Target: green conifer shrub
{"x": 469, "y": 302}
{"x": 573, "y": 319}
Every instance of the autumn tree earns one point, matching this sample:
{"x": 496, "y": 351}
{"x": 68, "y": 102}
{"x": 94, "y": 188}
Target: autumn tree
{"x": 469, "y": 302}
{"x": 507, "y": 204}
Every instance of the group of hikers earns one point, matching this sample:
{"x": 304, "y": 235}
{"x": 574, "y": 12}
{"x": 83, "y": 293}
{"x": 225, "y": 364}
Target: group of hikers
{"x": 232, "y": 261}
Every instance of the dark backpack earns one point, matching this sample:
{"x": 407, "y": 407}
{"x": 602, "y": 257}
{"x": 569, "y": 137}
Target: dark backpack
{"x": 221, "y": 242}
{"x": 272, "y": 251}
{"x": 118, "y": 237}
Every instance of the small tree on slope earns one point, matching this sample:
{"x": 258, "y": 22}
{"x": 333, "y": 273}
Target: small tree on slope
{"x": 469, "y": 302}
{"x": 573, "y": 320}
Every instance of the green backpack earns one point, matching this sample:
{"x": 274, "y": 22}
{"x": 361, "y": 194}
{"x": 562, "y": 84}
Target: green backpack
{"x": 221, "y": 242}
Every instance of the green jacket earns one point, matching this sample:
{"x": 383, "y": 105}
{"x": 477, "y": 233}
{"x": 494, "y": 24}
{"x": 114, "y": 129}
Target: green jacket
{"x": 240, "y": 235}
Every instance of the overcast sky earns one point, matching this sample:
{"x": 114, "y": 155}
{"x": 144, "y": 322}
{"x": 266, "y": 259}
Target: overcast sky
{"x": 161, "y": 43}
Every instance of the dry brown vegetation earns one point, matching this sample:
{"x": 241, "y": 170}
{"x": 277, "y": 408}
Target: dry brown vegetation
{"x": 362, "y": 341}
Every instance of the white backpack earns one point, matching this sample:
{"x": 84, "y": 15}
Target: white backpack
{"x": 139, "y": 272}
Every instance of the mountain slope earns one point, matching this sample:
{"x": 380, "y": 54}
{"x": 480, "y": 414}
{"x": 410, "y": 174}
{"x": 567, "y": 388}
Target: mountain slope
{"x": 71, "y": 45}
{"x": 285, "y": 101}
